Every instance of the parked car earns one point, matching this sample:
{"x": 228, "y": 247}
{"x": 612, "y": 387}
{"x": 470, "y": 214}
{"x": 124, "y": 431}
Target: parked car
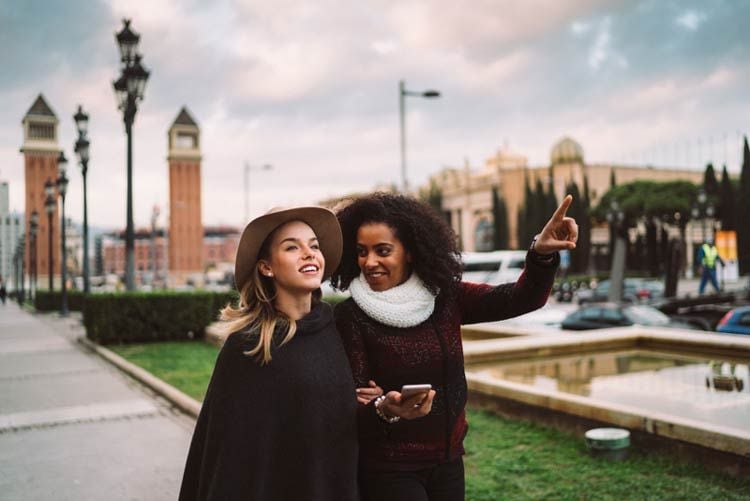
{"x": 736, "y": 321}
{"x": 634, "y": 290}
{"x": 495, "y": 267}
{"x": 603, "y": 315}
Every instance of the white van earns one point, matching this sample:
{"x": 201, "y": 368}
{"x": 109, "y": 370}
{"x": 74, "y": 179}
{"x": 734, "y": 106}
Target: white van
{"x": 495, "y": 267}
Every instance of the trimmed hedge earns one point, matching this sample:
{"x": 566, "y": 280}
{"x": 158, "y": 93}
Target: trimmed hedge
{"x": 136, "y": 317}
{"x": 51, "y": 301}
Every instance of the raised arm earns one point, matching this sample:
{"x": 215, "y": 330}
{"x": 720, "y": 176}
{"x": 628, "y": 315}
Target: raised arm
{"x": 483, "y": 303}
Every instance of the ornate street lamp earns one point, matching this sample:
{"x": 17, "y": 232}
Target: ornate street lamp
{"x": 402, "y": 94}
{"x": 49, "y": 204}
{"x": 62, "y": 188}
{"x": 33, "y": 231}
{"x": 82, "y": 150}
{"x": 129, "y": 88}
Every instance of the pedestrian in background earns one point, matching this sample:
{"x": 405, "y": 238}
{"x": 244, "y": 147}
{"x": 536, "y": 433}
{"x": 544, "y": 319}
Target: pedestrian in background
{"x": 708, "y": 255}
{"x": 3, "y": 291}
{"x": 402, "y": 326}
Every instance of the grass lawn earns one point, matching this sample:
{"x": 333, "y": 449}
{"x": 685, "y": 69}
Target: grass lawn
{"x": 504, "y": 459}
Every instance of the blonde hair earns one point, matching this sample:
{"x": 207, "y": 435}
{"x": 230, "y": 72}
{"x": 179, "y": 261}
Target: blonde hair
{"x": 256, "y": 311}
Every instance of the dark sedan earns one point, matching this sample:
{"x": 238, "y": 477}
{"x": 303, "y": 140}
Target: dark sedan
{"x": 603, "y": 315}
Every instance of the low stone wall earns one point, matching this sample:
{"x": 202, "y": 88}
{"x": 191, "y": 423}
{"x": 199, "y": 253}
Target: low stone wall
{"x": 549, "y": 407}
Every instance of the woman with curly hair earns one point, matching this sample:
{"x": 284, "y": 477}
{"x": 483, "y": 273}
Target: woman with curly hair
{"x": 402, "y": 326}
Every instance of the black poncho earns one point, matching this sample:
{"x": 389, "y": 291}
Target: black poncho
{"x": 282, "y": 431}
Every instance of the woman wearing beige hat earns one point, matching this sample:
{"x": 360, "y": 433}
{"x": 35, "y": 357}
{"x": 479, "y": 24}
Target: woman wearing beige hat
{"x": 279, "y": 418}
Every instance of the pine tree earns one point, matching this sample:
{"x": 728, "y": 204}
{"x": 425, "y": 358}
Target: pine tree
{"x": 743, "y": 209}
{"x": 500, "y": 221}
{"x": 584, "y": 228}
{"x": 710, "y": 184}
{"x": 727, "y": 212}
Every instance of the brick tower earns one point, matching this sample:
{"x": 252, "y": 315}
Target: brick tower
{"x": 40, "y": 151}
{"x": 185, "y": 222}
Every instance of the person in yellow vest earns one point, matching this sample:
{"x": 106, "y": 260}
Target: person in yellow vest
{"x": 709, "y": 255}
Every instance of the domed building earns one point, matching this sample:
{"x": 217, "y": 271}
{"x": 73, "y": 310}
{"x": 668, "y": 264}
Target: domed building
{"x": 565, "y": 151}
{"x": 467, "y": 192}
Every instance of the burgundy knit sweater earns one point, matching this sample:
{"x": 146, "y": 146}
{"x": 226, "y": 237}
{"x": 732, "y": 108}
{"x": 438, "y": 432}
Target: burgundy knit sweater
{"x": 430, "y": 352}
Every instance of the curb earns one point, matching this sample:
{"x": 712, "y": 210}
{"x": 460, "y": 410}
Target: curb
{"x": 185, "y": 403}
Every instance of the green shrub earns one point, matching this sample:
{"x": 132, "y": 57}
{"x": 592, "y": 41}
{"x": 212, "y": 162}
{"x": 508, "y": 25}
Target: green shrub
{"x": 51, "y": 301}
{"x": 154, "y": 316}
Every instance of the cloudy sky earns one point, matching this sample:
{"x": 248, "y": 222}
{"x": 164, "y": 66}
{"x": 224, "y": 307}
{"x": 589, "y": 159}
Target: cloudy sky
{"x": 311, "y": 88}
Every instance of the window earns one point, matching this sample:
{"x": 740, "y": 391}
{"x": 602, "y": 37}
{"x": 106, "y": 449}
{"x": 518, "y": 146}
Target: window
{"x": 484, "y": 235}
{"x": 186, "y": 141}
{"x": 745, "y": 319}
{"x": 41, "y": 131}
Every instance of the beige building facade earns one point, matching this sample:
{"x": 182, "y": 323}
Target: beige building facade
{"x": 467, "y": 192}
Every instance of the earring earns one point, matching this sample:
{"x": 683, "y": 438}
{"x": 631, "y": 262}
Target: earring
{"x": 269, "y": 274}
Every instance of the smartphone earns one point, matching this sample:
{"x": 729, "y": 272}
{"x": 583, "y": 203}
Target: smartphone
{"x": 409, "y": 390}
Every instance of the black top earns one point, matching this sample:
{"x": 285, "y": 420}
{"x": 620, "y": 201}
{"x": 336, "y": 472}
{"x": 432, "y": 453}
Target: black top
{"x": 282, "y": 431}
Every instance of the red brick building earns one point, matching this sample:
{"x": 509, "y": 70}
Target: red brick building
{"x": 185, "y": 221}
{"x": 40, "y": 152}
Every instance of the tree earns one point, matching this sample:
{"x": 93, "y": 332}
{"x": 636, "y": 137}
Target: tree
{"x": 525, "y": 229}
{"x": 653, "y": 199}
{"x": 710, "y": 184}
{"x": 743, "y": 209}
{"x": 432, "y": 196}
{"x": 584, "y": 228}
{"x": 500, "y": 221}
{"x": 727, "y": 212}
{"x": 577, "y": 212}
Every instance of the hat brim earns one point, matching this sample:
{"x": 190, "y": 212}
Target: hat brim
{"x": 322, "y": 221}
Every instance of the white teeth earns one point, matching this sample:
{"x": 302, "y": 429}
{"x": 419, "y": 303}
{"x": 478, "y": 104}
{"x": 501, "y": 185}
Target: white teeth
{"x": 305, "y": 269}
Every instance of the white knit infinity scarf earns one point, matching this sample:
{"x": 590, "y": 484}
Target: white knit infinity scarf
{"x": 405, "y": 305}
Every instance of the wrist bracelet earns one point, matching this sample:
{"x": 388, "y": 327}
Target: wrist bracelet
{"x": 381, "y": 415}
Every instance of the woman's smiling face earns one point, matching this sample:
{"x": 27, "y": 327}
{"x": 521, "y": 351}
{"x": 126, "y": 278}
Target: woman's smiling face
{"x": 382, "y": 257}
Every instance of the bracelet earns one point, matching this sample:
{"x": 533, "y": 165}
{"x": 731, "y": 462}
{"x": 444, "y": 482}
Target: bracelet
{"x": 381, "y": 415}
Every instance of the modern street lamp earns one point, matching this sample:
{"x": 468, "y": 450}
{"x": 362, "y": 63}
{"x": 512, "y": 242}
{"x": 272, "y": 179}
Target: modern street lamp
{"x": 82, "y": 150}
{"x": 62, "y": 188}
{"x": 33, "y": 231}
{"x": 402, "y": 94}
{"x": 248, "y": 168}
{"x": 49, "y": 204}
{"x": 129, "y": 89}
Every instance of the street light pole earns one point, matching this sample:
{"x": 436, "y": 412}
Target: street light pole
{"x": 129, "y": 90}
{"x": 49, "y": 204}
{"x": 402, "y": 94}
{"x": 248, "y": 168}
{"x": 62, "y": 188}
{"x": 33, "y": 230}
{"x": 82, "y": 150}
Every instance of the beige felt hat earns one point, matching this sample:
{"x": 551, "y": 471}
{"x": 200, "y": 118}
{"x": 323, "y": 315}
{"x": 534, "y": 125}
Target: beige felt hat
{"x": 322, "y": 221}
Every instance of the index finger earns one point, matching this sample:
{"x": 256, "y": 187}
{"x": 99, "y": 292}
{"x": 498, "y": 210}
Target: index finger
{"x": 560, "y": 212}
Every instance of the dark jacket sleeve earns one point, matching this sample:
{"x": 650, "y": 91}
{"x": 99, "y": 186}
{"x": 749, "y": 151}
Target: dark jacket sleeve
{"x": 485, "y": 303}
{"x": 356, "y": 351}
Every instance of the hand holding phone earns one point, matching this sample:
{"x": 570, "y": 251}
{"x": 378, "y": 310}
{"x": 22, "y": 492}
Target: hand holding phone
{"x": 409, "y": 390}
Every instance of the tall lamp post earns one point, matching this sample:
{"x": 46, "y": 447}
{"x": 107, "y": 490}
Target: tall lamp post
{"x": 248, "y": 168}
{"x": 403, "y": 93}
{"x": 49, "y": 204}
{"x": 33, "y": 230}
{"x": 129, "y": 89}
{"x": 82, "y": 150}
{"x": 62, "y": 188}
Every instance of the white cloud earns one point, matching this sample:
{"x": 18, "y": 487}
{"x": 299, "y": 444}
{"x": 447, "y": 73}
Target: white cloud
{"x": 690, "y": 20}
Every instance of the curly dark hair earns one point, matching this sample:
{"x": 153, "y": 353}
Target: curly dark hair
{"x": 423, "y": 232}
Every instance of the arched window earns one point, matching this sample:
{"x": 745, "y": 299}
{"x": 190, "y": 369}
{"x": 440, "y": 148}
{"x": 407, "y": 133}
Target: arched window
{"x": 484, "y": 235}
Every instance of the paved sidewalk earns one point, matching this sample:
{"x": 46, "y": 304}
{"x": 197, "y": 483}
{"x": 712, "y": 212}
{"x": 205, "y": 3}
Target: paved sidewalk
{"x": 74, "y": 427}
